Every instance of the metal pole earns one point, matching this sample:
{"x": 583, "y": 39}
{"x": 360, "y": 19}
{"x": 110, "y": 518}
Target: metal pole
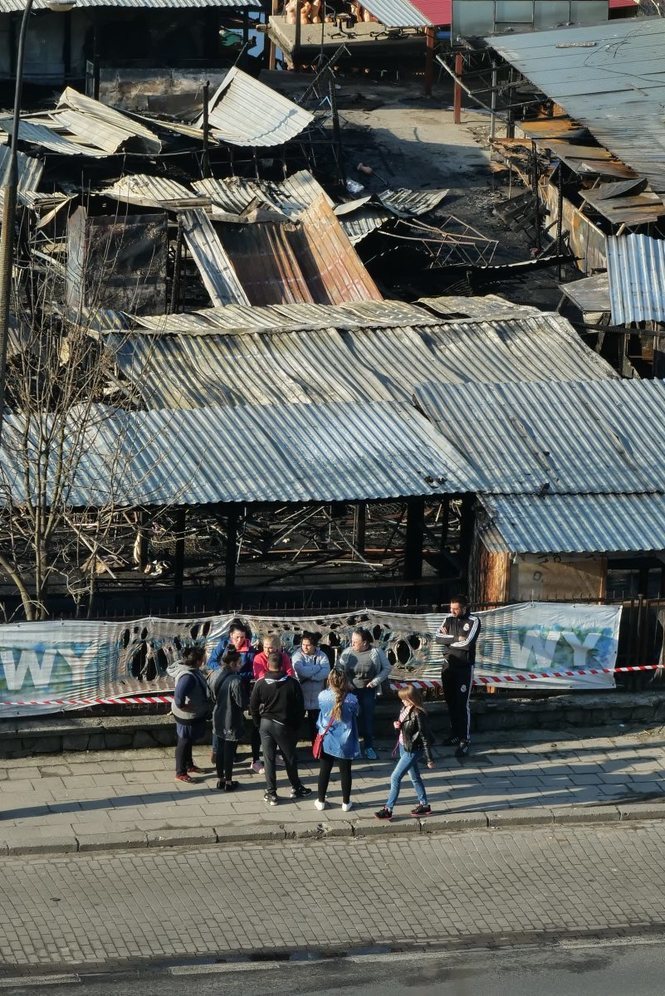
{"x": 493, "y": 101}
{"x": 457, "y": 92}
{"x": 205, "y": 158}
{"x": 9, "y": 196}
{"x": 430, "y": 43}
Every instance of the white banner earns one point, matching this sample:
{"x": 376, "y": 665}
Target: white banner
{"x": 51, "y": 666}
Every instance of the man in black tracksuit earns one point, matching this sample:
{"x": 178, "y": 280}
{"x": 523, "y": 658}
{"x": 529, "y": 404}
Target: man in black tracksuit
{"x": 457, "y": 673}
{"x": 278, "y": 708}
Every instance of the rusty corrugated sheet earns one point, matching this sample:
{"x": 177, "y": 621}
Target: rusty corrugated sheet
{"x": 607, "y": 523}
{"x": 246, "y": 112}
{"x": 632, "y": 209}
{"x": 350, "y": 364}
{"x": 235, "y": 194}
{"x": 608, "y": 77}
{"x": 265, "y": 260}
{"x": 217, "y": 272}
{"x": 636, "y": 271}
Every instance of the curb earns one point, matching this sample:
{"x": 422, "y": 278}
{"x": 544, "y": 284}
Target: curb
{"x": 438, "y": 824}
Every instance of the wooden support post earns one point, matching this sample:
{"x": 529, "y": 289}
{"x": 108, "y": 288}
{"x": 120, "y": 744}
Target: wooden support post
{"x": 467, "y": 526}
{"x": 298, "y": 35}
{"x": 415, "y": 532}
{"x": 179, "y": 566}
{"x": 430, "y": 43}
{"x": 457, "y": 92}
{"x": 495, "y": 83}
{"x": 359, "y": 525}
{"x": 337, "y": 133}
{"x": 245, "y": 28}
{"x": 205, "y": 158}
{"x": 177, "y": 264}
{"x": 231, "y": 555}
{"x": 272, "y": 48}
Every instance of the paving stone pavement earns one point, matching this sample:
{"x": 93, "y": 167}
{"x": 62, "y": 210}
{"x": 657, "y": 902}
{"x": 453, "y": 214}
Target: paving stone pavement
{"x": 101, "y": 799}
{"x": 501, "y": 886}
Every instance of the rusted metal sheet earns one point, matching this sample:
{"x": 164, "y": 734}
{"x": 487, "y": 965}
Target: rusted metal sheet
{"x": 608, "y": 77}
{"x": 348, "y": 364}
{"x": 217, "y": 271}
{"x": 248, "y": 113}
{"x": 588, "y": 160}
{"x": 636, "y": 271}
{"x": 264, "y": 257}
{"x": 634, "y": 209}
{"x": 586, "y": 240}
{"x": 607, "y": 523}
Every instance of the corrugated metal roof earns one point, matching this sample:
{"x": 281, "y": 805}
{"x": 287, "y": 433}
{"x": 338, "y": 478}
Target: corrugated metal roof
{"x": 234, "y": 194}
{"x": 636, "y": 271}
{"x": 310, "y": 262}
{"x": 439, "y": 12}
{"x": 572, "y": 523}
{"x": 327, "y": 364}
{"x": 83, "y": 126}
{"x": 29, "y": 174}
{"x": 590, "y": 294}
{"x": 217, "y": 271}
{"x": 280, "y": 452}
{"x": 397, "y": 13}
{"x": 407, "y": 203}
{"x": 608, "y": 76}
{"x": 286, "y": 317}
{"x": 490, "y": 308}
{"x": 12, "y": 6}
{"x": 246, "y": 112}
{"x": 152, "y": 191}
{"x": 95, "y": 123}
{"x": 362, "y": 222}
{"x": 644, "y": 208}
{"x": 565, "y": 437}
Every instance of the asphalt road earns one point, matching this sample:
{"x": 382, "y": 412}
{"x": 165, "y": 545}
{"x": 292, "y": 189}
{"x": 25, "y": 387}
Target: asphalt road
{"x": 131, "y": 921}
{"x": 598, "y": 969}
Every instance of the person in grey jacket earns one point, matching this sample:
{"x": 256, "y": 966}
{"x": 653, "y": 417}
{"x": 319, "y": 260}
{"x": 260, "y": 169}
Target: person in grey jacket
{"x": 312, "y": 668}
{"x": 366, "y": 666}
{"x": 190, "y": 708}
{"x": 228, "y": 719}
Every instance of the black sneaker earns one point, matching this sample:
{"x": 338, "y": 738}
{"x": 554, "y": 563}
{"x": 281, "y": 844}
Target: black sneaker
{"x": 421, "y": 810}
{"x": 384, "y": 814}
{"x": 271, "y": 798}
{"x": 451, "y": 742}
{"x": 463, "y": 748}
{"x": 300, "y": 792}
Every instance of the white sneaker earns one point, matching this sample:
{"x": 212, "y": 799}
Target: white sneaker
{"x": 347, "y": 806}
{"x": 319, "y": 805}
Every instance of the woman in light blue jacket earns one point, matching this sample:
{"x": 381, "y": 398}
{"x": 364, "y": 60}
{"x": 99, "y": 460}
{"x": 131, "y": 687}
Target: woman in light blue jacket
{"x": 312, "y": 667}
{"x": 338, "y": 725}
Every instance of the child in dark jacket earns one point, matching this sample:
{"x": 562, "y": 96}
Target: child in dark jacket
{"x": 415, "y": 741}
{"x": 228, "y": 720}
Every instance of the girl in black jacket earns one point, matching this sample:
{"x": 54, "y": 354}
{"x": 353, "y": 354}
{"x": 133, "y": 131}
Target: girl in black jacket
{"x": 228, "y": 721}
{"x": 415, "y": 741}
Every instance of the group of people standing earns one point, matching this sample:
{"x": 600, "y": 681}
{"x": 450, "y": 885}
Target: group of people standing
{"x": 279, "y": 692}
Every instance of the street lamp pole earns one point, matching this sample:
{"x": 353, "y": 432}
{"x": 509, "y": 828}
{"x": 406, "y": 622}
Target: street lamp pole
{"x": 9, "y": 197}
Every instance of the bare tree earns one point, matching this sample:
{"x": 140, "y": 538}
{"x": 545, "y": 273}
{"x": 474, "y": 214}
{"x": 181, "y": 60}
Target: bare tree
{"x": 62, "y": 516}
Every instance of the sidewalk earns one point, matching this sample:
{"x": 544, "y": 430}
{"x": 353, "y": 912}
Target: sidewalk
{"x": 109, "y": 799}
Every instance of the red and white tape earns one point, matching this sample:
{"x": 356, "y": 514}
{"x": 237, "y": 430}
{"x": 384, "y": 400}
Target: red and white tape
{"x": 394, "y": 684}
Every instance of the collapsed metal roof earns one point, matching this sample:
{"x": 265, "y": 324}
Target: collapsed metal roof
{"x": 12, "y": 6}
{"x": 561, "y": 437}
{"x": 607, "y": 523}
{"x": 281, "y": 452}
{"x": 349, "y": 365}
{"x": 246, "y": 112}
{"x": 608, "y": 76}
{"x": 636, "y": 272}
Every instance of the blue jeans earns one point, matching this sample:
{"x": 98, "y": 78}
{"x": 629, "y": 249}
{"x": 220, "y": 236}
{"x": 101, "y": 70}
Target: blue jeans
{"x": 407, "y": 762}
{"x": 366, "y": 704}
